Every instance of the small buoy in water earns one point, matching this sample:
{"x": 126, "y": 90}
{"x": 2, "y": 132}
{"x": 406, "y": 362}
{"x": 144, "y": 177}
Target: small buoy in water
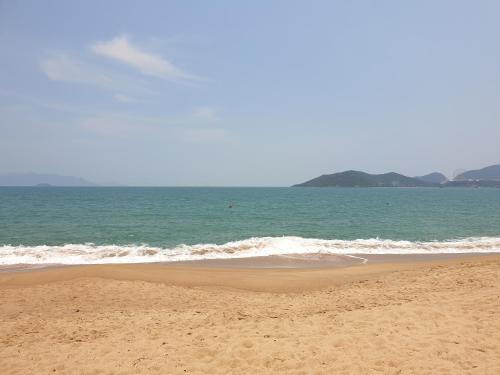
{"x": 230, "y": 206}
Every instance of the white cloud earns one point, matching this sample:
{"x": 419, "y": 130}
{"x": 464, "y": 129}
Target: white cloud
{"x": 206, "y": 113}
{"x": 122, "y": 50}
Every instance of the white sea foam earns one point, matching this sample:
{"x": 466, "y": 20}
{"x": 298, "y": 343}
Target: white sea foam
{"x": 252, "y": 247}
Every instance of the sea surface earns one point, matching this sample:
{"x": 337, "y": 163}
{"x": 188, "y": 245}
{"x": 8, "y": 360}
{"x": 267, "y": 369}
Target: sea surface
{"x": 55, "y": 225}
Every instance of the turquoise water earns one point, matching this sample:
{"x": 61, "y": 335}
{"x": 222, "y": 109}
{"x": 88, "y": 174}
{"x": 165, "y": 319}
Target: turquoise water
{"x": 164, "y": 218}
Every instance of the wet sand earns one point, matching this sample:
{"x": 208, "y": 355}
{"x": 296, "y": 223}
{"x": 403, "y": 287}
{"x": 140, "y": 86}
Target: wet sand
{"x": 389, "y": 316}
{"x": 322, "y": 260}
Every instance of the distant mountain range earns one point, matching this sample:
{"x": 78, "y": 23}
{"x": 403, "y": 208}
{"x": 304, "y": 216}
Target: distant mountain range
{"x": 362, "y": 179}
{"x": 488, "y": 173}
{"x": 486, "y": 177}
{"x": 433, "y": 178}
{"x": 42, "y": 180}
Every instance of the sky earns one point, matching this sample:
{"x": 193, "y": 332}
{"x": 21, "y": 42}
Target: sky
{"x": 256, "y": 93}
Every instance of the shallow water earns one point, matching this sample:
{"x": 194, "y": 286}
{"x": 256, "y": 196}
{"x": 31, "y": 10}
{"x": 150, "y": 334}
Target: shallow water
{"x": 115, "y": 225}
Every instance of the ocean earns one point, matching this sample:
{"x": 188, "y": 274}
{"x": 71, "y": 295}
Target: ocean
{"x": 93, "y": 225}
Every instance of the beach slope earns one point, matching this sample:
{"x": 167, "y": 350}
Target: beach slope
{"x": 409, "y": 318}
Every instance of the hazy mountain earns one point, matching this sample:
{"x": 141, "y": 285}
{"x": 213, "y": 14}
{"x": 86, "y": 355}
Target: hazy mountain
{"x": 488, "y": 173}
{"x": 434, "y": 178}
{"x": 34, "y": 179}
{"x": 362, "y": 179}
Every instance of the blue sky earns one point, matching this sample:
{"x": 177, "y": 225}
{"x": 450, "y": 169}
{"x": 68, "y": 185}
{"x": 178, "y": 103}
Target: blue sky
{"x": 247, "y": 93}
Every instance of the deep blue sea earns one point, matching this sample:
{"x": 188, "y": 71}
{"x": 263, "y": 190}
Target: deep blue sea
{"x": 40, "y": 225}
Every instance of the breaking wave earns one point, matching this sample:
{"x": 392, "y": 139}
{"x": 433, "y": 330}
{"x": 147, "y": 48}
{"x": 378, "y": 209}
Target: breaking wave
{"x": 253, "y": 247}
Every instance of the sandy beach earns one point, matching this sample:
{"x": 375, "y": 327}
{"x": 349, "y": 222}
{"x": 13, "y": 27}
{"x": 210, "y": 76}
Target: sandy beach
{"x": 386, "y": 317}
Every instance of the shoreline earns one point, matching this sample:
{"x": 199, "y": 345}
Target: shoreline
{"x": 291, "y": 261}
{"x": 297, "y": 261}
{"x": 276, "y": 274}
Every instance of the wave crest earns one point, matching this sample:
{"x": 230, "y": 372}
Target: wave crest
{"x": 252, "y": 247}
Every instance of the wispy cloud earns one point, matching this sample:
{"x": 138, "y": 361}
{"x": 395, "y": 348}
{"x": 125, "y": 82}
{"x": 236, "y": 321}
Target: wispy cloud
{"x": 203, "y": 135}
{"x": 206, "y": 113}
{"x": 122, "y": 50}
{"x": 44, "y": 103}
{"x": 125, "y": 125}
{"x": 122, "y": 98}
{"x": 61, "y": 67}
{"x": 65, "y": 68}
{"x": 112, "y": 124}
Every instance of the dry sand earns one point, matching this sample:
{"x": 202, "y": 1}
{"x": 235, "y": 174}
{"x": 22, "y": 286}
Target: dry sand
{"x": 439, "y": 317}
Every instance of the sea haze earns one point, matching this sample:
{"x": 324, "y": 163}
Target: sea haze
{"x": 123, "y": 225}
